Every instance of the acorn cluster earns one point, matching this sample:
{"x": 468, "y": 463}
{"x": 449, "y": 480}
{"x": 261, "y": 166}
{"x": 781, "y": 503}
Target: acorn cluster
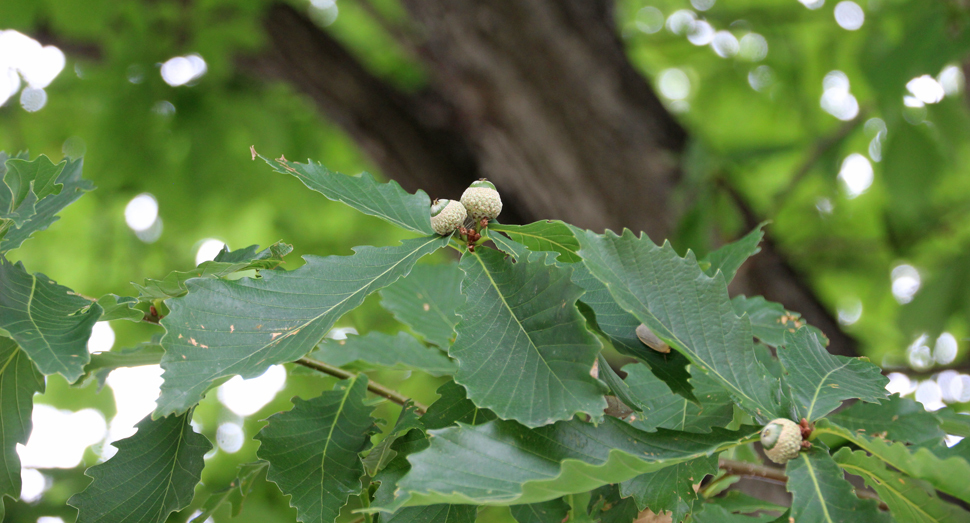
{"x": 480, "y": 202}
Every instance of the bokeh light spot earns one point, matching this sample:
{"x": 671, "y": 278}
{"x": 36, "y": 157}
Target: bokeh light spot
{"x": 649, "y": 20}
{"x": 725, "y": 44}
{"x": 141, "y": 212}
{"x": 59, "y": 437}
{"x": 246, "y": 397}
{"x": 849, "y": 15}
{"x": 926, "y": 89}
{"x": 181, "y": 70}
{"x": 208, "y": 250}
{"x": 674, "y": 84}
{"x": 905, "y": 283}
{"x": 856, "y": 174}
{"x": 754, "y": 47}
{"x": 229, "y": 437}
{"x": 102, "y": 337}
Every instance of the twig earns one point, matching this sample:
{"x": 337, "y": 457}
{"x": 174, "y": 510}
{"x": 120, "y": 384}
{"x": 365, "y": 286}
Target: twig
{"x": 372, "y": 386}
{"x": 776, "y": 475}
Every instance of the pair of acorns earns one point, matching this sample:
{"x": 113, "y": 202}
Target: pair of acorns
{"x": 480, "y": 200}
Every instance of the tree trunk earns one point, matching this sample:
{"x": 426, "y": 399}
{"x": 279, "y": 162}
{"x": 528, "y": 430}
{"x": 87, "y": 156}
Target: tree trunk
{"x": 536, "y": 95}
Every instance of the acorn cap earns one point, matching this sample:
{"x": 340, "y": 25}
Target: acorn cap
{"x": 483, "y": 183}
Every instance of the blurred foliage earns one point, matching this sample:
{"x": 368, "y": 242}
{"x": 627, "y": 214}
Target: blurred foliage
{"x": 756, "y": 126}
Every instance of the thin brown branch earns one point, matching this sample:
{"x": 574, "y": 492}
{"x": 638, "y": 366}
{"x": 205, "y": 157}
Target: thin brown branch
{"x": 372, "y": 386}
{"x": 777, "y": 475}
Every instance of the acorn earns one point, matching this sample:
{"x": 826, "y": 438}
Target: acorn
{"x": 781, "y": 439}
{"x": 651, "y": 340}
{"x": 482, "y": 200}
{"x": 447, "y": 215}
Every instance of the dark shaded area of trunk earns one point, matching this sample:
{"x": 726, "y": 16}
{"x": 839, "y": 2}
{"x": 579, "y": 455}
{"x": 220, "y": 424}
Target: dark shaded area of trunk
{"x": 536, "y": 95}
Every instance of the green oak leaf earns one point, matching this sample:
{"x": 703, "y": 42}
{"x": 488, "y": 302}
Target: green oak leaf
{"x": 729, "y": 258}
{"x": 908, "y": 499}
{"x": 19, "y": 381}
{"x": 223, "y": 328}
{"x": 546, "y": 235}
{"x": 660, "y": 408}
{"x": 385, "y": 350}
{"x": 116, "y": 307}
{"x": 669, "y": 489}
{"x": 246, "y": 477}
{"x": 607, "y": 506}
{"x": 382, "y": 453}
{"x": 454, "y": 406}
{"x": 769, "y": 320}
{"x": 947, "y": 473}
{"x": 32, "y": 193}
{"x": 503, "y": 462}
{"x": 606, "y": 317}
{"x": 387, "y": 201}
{"x": 522, "y": 347}
{"x": 713, "y": 513}
{"x": 821, "y": 493}
{"x": 153, "y": 474}
{"x": 685, "y": 308}
{"x": 736, "y": 501}
{"x": 426, "y": 300}
{"x": 616, "y": 384}
{"x": 956, "y": 423}
{"x": 433, "y": 514}
{"x": 819, "y": 381}
{"x": 898, "y": 419}
{"x": 552, "y": 511}
{"x": 313, "y": 449}
{"x": 225, "y": 263}
{"x": 47, "y": 320}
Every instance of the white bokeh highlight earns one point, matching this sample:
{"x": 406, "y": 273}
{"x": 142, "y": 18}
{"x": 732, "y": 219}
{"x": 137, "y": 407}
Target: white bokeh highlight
{"x": 649, "y": 20}
{"x": 837, "y": 100}
{"x": 906, "y": 282}
{"x": 208, "y": 250}
{"x": 135, "y": 390}
{"x": 60, "y": 437}
{"x": 926, "y": 89}
{"x": 32, "y": 485}
{"x": 102, "y": 337}
{"x": 141, "y": 212}
{"x": 181, "y": 70}
{"x": 246, "y": 397}
{"x": 230, "y": 437}
{"x": 674, "y": 84}
{"x": 849, "y": 15}
{"x": 725, "y": 44}
{"x": 856, "y": 175}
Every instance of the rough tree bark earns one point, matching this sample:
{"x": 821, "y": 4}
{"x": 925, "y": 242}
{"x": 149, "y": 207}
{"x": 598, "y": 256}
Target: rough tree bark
{"x": 536, "y": 95}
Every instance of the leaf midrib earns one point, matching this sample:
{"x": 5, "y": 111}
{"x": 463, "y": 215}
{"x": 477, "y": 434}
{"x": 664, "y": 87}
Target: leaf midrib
{"x": 300, "y": 327}
{"x": 522, "y": 328}
{"x": 862, "y": 471}
{"x": 818, "y": 490}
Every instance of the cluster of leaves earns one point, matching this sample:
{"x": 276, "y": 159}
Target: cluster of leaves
{"x": 534, "y": 418}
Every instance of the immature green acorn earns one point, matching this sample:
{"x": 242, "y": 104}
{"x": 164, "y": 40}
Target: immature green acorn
{"x": 447, "y": 215}
{"x": 482, "y": 200}
{"x": 781, "y": 439}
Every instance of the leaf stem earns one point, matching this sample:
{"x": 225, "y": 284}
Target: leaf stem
{"x": 777, "y": 475}
{"x": 372, "y": 386}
